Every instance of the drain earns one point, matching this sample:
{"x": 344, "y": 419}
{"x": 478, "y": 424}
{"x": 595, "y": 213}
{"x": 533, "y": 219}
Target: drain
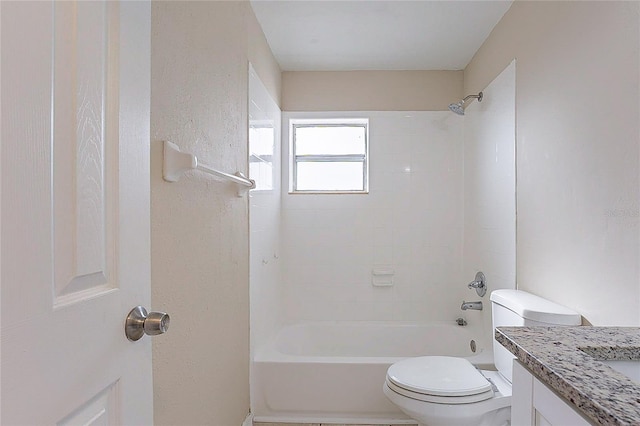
{"x": 472, "y": 345}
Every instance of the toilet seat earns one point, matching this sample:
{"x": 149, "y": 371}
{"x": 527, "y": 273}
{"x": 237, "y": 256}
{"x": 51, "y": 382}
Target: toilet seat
{"x": 439, "y": 379}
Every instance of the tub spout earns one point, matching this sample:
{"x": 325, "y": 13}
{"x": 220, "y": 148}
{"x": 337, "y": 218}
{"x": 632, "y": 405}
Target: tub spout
{"x": 475, "y": 306}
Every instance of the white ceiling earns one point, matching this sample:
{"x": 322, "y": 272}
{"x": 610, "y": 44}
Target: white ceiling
{"x": 326, "y": 35}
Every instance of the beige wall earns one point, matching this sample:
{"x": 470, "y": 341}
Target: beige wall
{"x": 370, "y": 90}
{"x": 577, "y": 150}
{"x": 200, "y": 54}
{"x": 263, "y": 60}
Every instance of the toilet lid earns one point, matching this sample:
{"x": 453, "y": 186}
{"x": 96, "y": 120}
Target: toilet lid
{"x": 439, "y": 376}
{"x": 449, "y": 400}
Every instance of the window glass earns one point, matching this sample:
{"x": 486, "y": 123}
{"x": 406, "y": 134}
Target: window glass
{"x": 329, "y": 156}
{"x": 330, "y": 140}
{"x": 330, "y": 176}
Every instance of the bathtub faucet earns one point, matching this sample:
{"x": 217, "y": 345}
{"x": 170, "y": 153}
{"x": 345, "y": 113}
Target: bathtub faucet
{"x": 475, "y": 306}
{"x": 479, "y": 283}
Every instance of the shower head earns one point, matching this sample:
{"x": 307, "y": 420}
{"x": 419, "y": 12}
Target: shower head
{"x": 458, "y": 108}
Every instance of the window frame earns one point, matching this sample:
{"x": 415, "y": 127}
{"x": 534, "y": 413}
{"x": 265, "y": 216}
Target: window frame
{"x": 295, "y": 123}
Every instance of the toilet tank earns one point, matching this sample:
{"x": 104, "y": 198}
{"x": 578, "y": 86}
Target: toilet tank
{"x": 519, "y": 308}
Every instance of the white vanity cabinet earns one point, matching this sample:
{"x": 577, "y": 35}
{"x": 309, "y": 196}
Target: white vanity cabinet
{"x": 533, "y": 403}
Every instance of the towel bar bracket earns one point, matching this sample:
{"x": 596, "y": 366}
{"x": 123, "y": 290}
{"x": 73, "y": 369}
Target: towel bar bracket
{"x": 175, "y": 163}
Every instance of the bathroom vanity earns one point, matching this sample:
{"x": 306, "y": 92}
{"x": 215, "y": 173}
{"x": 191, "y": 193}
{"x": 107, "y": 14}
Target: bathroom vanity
{"x": 574, "y": 375}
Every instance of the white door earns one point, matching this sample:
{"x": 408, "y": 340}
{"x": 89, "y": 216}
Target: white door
{"x": 74, "y": 211}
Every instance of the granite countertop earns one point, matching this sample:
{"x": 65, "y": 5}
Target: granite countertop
{"x": 567, "y": 360}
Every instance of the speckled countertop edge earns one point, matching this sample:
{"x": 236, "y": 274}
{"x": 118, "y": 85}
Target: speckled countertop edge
{"x": 558, "y": 357}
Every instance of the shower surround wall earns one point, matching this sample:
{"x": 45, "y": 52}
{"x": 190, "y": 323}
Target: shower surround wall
{"x": 265, "y": 273}
{"x": 490, "y": 192}
{"x": 411, "y": 221}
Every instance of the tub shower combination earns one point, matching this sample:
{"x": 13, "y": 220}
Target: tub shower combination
{"x": 334, "y": 371}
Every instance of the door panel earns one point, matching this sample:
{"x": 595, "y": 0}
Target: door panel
{"x": 83, "y": 258}
{"x": 74, "y": 212}
{"x": 97, "y": 412}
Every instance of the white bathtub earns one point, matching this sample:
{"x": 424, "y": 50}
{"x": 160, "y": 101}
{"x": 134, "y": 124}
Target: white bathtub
{"x": 333, "y": 372}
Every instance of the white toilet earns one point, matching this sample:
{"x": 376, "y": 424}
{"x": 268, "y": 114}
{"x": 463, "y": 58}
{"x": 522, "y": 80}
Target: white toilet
{"x": 441, "y": 390}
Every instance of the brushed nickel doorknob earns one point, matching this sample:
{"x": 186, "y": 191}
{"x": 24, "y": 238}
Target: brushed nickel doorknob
{"x": 139, "y": 323}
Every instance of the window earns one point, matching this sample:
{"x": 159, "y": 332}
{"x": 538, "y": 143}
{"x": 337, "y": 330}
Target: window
{"x": 329, "y": 155}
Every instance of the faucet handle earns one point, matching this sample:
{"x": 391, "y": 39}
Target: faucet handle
{"x": 479, "y": 284}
